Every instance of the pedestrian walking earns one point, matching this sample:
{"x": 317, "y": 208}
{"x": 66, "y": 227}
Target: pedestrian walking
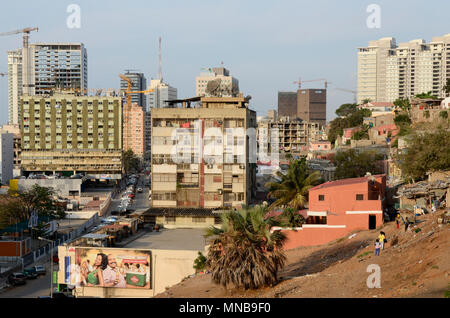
{"x": 377, "y": 247}
{"x": 381, "y": 239}
{"x": 397, "y": 220}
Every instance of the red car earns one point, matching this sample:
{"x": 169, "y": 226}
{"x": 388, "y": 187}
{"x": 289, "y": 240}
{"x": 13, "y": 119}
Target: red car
{"x": 131, "y": 196}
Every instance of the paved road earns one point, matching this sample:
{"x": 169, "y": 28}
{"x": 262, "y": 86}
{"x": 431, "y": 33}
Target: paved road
{"x": 33, "y": 288}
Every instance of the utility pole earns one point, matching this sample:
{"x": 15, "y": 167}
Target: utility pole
{"x": 51, "y": 264}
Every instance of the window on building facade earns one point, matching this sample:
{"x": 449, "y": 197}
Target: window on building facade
{"x": 360, "y": 197}
{"x": 321, "y": 197}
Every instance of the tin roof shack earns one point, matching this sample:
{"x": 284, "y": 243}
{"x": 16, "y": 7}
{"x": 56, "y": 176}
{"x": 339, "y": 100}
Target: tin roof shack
{"x": 423, "y": 193}
{"x": 427, "y": 110}
{"x": 117, "y": 231}
{"x": 131, "y": 223}
{"x": 92, "y": 239}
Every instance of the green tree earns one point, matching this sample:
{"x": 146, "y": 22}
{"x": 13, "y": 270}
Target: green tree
{"x": 291, "y": 218}
{"x": 362, "y": 134}
{"x": 131, "y": 163}
{"x": 353, "y": 164}
{"x": 446, "y": 87}
{"x": 200, "y": 262}
{"x": 18, "y": 205}
{"x": 426, "y": 95}
{"x": 243, "y": 252}
{"x": 366, "y": 100}
{"x": 292, "y": 190}
{"x": 354, "y": 118}
{"x": 403, "y": 104}
{"x": 426, "y": 152}
{"x": 346, "y": 109}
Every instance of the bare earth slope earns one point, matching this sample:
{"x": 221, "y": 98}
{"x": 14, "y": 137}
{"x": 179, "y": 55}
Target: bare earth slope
{"x": 418, "y": 265}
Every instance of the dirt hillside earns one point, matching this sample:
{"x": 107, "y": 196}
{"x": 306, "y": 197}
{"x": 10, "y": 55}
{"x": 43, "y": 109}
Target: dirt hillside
{"x": 417, "y": 265}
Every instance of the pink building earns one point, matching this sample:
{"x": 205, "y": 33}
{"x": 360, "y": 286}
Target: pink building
{"x": 134, "y": 129}
{"x": 319, "y": 146}
{"x": 339, "y": 207}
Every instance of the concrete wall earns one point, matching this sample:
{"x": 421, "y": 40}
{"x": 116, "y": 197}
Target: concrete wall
{"x": 169, "y": 267}
{"x": 185, "y": 222}
{"x": 61, "y": 186}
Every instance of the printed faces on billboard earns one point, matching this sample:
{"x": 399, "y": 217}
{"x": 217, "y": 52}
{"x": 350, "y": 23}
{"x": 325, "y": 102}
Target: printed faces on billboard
{"x": 108, "y": 267}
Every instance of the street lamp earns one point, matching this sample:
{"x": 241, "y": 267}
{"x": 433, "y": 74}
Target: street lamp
{"x": 51, "y": 264}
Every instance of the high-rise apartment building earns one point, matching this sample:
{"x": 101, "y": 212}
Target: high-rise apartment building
{"x": 307, "y": 104}
{"x": 387, "y": 71}
{"x": 68, "y": 134}
{"x": 162, "y": 92}
{"x": 50, "y": 66}
{"x": 228, "y": 87}
{"x": 134, "y": 129}
{"x": 201, "y": 156}
{"x": 139, "y": 83}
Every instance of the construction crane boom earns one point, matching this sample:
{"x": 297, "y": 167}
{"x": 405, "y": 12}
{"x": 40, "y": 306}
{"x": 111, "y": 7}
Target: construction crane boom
{"x": 349, "y": 91}
{"x": 299, "y": 82}
{"x": 3, "y": 74}
{"x": 26, "y": 32}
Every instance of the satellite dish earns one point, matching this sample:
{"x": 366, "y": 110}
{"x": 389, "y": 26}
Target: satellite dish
{"x": 213, "y": 86}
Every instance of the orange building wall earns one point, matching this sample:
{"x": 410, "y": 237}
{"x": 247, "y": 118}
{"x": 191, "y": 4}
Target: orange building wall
{"x": 10, "y": 248}
{"x": 340, "y": 199}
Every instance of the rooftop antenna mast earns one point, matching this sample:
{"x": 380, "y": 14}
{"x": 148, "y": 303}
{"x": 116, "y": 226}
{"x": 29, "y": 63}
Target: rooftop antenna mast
{"x": 159, "y": 61}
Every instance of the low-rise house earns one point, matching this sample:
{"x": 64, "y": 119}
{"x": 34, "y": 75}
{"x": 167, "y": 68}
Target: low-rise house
{"x": 339, "y": 207}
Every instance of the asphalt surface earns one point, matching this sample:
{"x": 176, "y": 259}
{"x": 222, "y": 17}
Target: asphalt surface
{"x": 33, "y": 287}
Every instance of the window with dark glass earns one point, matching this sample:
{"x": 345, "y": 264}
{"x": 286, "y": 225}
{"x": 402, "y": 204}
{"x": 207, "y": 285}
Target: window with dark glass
{"x": 360, "y": 197}
{"x": 321, "y": 197}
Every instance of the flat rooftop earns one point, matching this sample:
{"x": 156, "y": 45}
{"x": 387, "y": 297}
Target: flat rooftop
{"x": 171, "y": 239}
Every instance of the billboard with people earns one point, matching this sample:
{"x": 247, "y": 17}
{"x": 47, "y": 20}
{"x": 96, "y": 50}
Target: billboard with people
{"x": 108, "y": 267}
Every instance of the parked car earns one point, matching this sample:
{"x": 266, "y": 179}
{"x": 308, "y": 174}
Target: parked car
{"x": 40, "y": 270}
{"x": 17, "y": 279}
{"x": 30, "y": 273}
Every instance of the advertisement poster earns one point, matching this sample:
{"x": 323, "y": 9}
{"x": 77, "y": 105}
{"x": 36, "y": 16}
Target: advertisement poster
{"x": 109, "y": 267}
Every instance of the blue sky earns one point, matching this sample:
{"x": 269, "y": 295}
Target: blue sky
{"x": 265, "y": 44}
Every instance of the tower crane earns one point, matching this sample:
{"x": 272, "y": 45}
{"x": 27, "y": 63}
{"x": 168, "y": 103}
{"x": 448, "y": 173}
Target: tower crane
{"x": 349, "y": 91}
{"x": 26, "y": 61}
{"x": 26, "y": 34}
{"x": 128, "y": 92}
{"x": 299, "y": 82}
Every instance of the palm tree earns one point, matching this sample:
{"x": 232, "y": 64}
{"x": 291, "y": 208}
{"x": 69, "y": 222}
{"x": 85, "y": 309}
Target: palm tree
{"x": 244, "y": 252}
{"x": 292, "y": 190}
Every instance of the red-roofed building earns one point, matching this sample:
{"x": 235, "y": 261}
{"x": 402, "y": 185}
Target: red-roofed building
{"x": 339, "y": 207}
{"x": 348, "y": 133}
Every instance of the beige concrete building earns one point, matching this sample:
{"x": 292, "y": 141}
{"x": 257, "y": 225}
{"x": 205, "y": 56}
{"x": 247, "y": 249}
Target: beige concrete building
{"x": 387, "y": 71}
{"x": 372, "y": 70}
{"x": 229, "y": 86}
{"x": 68, "y": 134}
{"x": 200, "y": 157}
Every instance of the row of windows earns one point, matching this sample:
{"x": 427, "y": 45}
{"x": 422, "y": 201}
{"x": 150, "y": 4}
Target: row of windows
{"x": 359, "y": 197}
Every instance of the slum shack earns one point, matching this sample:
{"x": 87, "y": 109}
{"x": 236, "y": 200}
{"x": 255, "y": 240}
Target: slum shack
{"x": 93, "y": 239}
{"x": 118, "y": 231}
{"x": 131, "y": 223}
{"x": 424, "y": 194}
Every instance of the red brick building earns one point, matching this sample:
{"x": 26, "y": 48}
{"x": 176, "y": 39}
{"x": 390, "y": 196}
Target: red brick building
{"x": 339, "y": 207}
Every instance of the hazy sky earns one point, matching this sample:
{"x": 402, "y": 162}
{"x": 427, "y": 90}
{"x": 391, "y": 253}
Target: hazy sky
{"x": 265, "y": 44}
